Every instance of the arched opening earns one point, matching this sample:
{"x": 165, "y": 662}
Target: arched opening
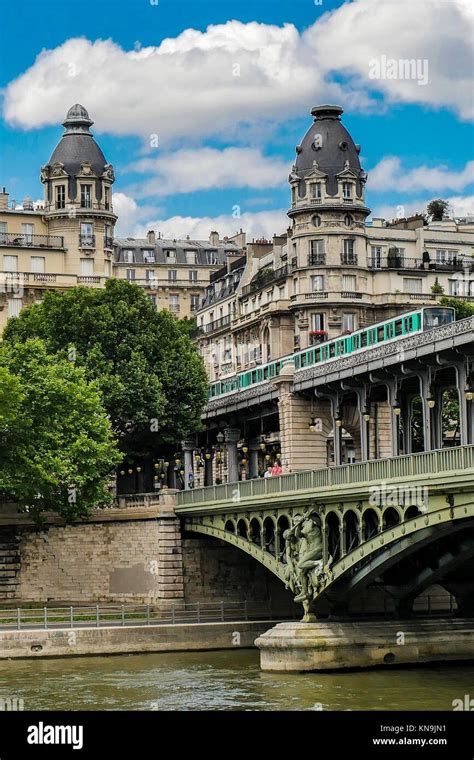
{"x": 412, "y": 511}
{"x": 333, "y": 533}
{"x": 391, "y": 518}
{"x": 450, "y": 421}
{"x": 283, "y": 525}
{"x": 269, "y": 535}
{"x": 351, "y": 531}
{"x": 370, "y": 524}
{"x": 255, "y": 535}
{"x": 229, "y": 526}
{"x": 242, "y": 528}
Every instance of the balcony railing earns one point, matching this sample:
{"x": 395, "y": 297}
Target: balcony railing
{"x": 402, "y": 262}
{"x": 87, "y": 241}
{"x": 316, "y": 259}
{"x": 349, "y": 258}
{"x": 317, "y": 294}
{"x": 88, "y": 279}
{"x": 108, "y": 242}
{"x": 266, "y": 278}
{"x": 350, "y": 294}
{"x": 25, "y": 240}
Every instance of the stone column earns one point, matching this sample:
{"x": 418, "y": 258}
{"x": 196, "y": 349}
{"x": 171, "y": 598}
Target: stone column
{"x": 169, "y": 549}
{"x": 392, "y": 390}
{"x": 428, "y": 413}
{"x": 407, "y": 418}
{"x": 254, "y": 447}
{"x": 208, "y": 471}
{"x": 232, "y": 435}
{"x": 363, "y": 424}
{"x": 465, "y": 406}
{"x": 188, "y": 448}
{"x": 337, "y": 429}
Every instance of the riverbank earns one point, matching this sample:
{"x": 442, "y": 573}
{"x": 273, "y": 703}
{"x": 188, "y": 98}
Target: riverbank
{"x": 132, "y": 639}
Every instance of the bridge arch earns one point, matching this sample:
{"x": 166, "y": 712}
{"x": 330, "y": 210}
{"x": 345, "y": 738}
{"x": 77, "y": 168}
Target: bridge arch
{"x": 391, "y": 516}
{"x": 371, "y": 523}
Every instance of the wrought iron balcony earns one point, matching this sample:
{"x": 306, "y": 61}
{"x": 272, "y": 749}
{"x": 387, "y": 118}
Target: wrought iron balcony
{"x": 316, "y": 259}
{"x": 87, "y": 241}
{"x": 397, "y": 261}
{"x": 349, "y": 258}
{"x": 25, "y": 240}
{"x": 265, "y": 277}
{"x": 108, "y": 242}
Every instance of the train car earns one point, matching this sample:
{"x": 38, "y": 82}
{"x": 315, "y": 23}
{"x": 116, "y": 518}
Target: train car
{"x": 401, "y": 326}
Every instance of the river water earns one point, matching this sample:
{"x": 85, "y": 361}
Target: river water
{"x": 226, "y": 680}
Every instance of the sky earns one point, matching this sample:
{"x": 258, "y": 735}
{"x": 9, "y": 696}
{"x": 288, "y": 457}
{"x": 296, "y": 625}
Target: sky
{"x": 199, "y": 104}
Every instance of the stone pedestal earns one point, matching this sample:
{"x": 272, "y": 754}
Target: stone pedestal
{"x": 334, "y": 645}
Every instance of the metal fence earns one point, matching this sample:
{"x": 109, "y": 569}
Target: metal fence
{"x": 459, "y": 459}
{"x": 100, "y": 615}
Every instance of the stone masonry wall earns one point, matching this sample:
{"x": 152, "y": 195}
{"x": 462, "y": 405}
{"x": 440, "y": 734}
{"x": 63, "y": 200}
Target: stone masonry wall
{"x": 123, "y": 561}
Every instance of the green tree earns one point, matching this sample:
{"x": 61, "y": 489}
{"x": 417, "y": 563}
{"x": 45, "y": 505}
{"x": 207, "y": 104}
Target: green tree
{"x": 57, "y": 449}
{"x": 462, "y": 308}
{"x": 437, "y": 210}
{"x": 151, "y": 377}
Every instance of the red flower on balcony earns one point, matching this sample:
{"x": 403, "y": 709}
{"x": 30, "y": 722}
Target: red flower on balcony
{"x": 318, "y": 333}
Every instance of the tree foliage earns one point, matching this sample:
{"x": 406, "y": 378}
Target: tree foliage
{"x": 437, "y": 209}
{"x": 152, "y": 379}
{"x": 463, "y": 309}
{"x": 57, "y": 448}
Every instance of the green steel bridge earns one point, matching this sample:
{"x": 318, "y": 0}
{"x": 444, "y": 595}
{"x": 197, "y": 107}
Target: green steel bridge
{"x": 397, "y": 526}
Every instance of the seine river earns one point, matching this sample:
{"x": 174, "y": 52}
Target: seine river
{"x": 222, "y": 681}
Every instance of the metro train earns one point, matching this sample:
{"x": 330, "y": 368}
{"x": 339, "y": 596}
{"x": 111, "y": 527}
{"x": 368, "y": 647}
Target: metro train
{"x": 388, "y": 331}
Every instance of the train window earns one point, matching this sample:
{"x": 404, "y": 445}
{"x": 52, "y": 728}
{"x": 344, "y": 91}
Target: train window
{"x": 437, "y": 317}
{"x": 363, "y": 339}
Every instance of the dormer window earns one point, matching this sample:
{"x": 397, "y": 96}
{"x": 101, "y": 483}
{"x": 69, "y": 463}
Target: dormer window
{"x": 60, "y": 196}
{"x": 190, "y": 257}
{"x": 346, "y": 190}
{"x": 149, "y": 256}
{"x": 128, "y": 256}
{"x": 170, "y": 255}
{"x": 316, "y": 190}
{"x": 86, "y": 196}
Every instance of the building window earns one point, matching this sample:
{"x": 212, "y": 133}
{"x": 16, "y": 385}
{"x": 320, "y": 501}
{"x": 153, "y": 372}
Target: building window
{"x": 455, "y": 288}
{"x": 149, "y": 256}
{"x": 316, "y": 191}
{"x": 87, "y": 267}
{"x": 317, "y": 254}
{"x": 349, "y": 283}
{"x": 86, "y": 196}
{"x": 14, "y": 306}
{"x": 87, "y": 234}
{"x": 27, "y": 231}
{"x": 412, "y": 284}
{"x": 349, "y": 255}
{"x": 37, "y": 264}
{"x": 348, "y": 220}
{"x": 107, "y": 198}
{"x": 152, "y": 299}
{"x": 375, "y": 256}
{"x": 130, "y": 274}
{"x": 346, "y": 190}
{"x": 150, "y": 274}
{"x": 194, "y": 302}
{"x": 316, "y": 219}
{"x": 170, "y": 256}
{"x": 174, "y": 303}
{"x": 128, "y": 256}
{"x": 282, "y": 291}
{"x": 193, "y": 275}
{"x": 211, "y": 257}
{"x": 107, "y": 268}
{"x": 108, "y": 236}
{"x": 295, "y": 287}
{"x": 348, "y": 322}
{"x": 293, "y": 195}
{"x": 172, "y": 275}
{"x": 10, "y": 263}
{"x": 269, "y": 295}
{"x": 60, "y": 196}
{"x": 317, "y": 283}
{"x": 190, "y": 257}
{"x": 317, "y": 322}
{"x": 446, "y": 257}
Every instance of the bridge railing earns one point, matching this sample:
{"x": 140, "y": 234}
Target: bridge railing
{"x": 456, "y": 458}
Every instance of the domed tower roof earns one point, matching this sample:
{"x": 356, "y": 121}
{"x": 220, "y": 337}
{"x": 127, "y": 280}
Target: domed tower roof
{"x": 328, "y": 143}
{"x": 77, "y": 144}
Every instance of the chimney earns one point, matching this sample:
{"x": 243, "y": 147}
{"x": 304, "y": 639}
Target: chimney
{"x": 214, "y": 238}
{"x": 4, "y": 198}
{"x": 150, "y": 236}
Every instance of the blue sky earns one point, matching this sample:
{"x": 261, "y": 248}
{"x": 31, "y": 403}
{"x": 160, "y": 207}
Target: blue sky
{"x": 225, "y": 89}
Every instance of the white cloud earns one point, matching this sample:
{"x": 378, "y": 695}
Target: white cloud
{"x": 389, "y": 175}
{"x": 135, "y": 222}
{"x": 232, "y": 75}
{"x": 185, "y": 171}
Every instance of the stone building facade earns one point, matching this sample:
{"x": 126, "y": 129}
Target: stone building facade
{"x": 70, "y": 239}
